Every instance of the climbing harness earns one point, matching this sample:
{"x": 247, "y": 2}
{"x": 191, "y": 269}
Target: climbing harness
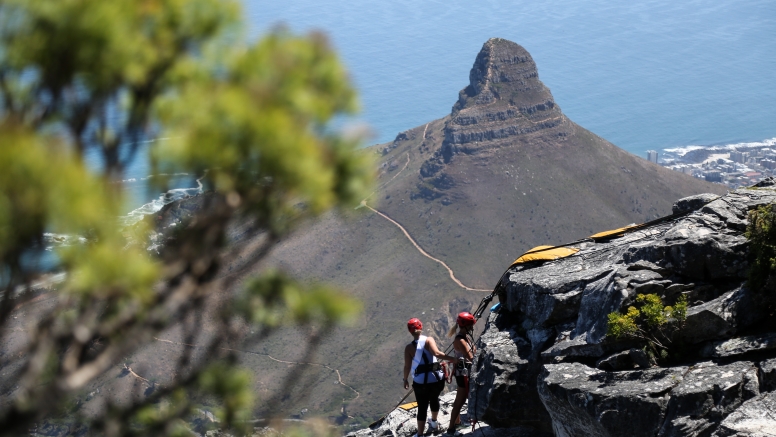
{"x": 428, "y": 366}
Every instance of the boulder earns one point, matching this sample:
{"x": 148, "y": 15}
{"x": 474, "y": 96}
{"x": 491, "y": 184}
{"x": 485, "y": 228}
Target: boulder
{"x": 712, "y": 320}
{"x": 692, "y": 203}
{"x": 755, "y": 418}
{"x": 678, "y": 401}
{"x": 584, "y": 401}
{"x": 707, "y": 394}
{"x": 740, "y": 346}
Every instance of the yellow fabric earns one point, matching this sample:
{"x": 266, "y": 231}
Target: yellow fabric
{"x": 546, "y": 253}
{"x": 409, "y": 406}
{"x": 538, "y": 249}
{"x": 614, "y": 232}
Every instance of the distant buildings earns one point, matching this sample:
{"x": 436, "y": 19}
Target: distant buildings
{"x": 732, "y": 168}
{"x": 713, "y": 175}
{"x": 737, "y": 156}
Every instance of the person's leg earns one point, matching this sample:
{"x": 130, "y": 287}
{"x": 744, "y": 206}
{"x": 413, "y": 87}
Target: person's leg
{"x": 436, "y": 390}
{"x": 423, "y": 398}
{"x": 455, "y": 414}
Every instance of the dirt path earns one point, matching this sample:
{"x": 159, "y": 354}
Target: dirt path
{"x": 339, "y": 376}
{"x": 423, "y": 252}
{"x": 407, "y": 234}
{"x": 386, "y": 183}
{"x": 132, "y": 372}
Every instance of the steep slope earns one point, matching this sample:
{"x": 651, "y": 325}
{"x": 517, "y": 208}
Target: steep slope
{"x": 504, "y": 172}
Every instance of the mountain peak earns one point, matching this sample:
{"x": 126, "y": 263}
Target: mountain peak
{"x": 503, "y": 72}
{"x": 504, "y": 104}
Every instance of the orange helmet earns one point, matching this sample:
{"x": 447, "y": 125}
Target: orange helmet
{"x": 465, "y": 319}
{"x": 414, "y": 324}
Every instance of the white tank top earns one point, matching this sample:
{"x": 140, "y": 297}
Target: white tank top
{"x": 418, "y": 359}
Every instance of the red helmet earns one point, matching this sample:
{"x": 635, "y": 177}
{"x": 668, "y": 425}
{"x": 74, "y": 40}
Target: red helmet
{"x": 465, "y": 319}
{"x": 414, "y": 324}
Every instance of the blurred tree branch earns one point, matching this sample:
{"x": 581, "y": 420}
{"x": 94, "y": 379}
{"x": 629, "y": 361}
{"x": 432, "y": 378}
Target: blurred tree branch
{"x": 88, "y": 76}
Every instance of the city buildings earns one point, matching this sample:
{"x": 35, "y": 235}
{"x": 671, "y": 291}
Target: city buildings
{"x": 734, "y": 168}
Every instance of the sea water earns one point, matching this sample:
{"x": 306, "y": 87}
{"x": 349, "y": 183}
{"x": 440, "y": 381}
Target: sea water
{"x": 644, "y": 75}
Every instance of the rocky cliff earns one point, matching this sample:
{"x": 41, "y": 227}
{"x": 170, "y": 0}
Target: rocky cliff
{"x": 545, "y": 360}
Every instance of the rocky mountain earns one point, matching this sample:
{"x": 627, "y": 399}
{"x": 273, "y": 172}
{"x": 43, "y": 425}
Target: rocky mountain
{"x": 545, "y": 364}
{"x": 545, "y": 360}
{"x": 506, "y": 170}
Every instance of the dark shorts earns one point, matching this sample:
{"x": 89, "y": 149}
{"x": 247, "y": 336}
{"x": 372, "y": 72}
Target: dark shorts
{"x": 427, "y": 395}
{"x": 461, "y": 380}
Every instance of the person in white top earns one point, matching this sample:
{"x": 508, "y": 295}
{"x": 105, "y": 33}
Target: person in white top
{"x": 428, "y": 381}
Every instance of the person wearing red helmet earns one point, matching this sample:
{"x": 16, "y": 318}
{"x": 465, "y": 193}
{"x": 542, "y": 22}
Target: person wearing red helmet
{"x": 464, "y": 354}
{"x": 420, "y": 360}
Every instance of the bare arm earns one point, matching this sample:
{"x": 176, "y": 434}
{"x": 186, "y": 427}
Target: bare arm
{"x": 432, "y": 347}
{"x": 408, "y": 353}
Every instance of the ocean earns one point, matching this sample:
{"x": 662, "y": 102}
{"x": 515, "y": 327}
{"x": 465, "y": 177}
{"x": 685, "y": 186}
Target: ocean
{"x": 644, "y": 75}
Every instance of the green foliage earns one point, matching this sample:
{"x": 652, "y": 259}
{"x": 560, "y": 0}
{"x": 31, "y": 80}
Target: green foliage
{"x": 679, "y": 311}
{"x": 275, "y": 299}
{"x": 761, "y": 233}
{"x": 622, "y": 325}
{"x": 652, "y": 322}
{"x": 652, "y": 310}
{"x": 93, "y": 78}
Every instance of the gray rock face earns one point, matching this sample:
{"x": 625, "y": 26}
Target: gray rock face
{"x": 740, "y": 346}
{"x": 625, "y": 360}
{"x": 534, "y": 358}
{"x": 755, "y": 418}
{"x": 506, "y": 369}
{"x": 689, "y": 204}
{"x": 707, "y": 394}
{"x": 583, "y": 401}
{"x": 678, "y": 401}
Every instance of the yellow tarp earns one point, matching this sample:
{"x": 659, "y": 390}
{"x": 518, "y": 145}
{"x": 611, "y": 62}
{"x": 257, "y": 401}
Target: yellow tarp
{"x": 546, "y": 253}
{"x": 409, "y": 406}
{"x": 614, "y": 232}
